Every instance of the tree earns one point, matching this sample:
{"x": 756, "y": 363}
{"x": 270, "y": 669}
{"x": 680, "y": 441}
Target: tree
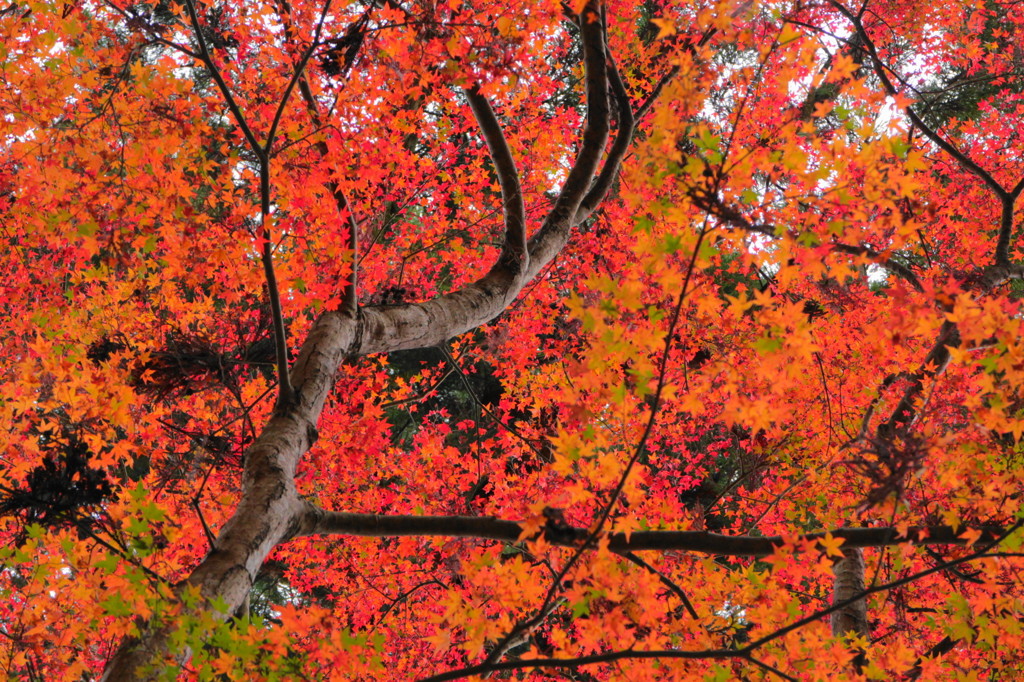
{"x": 585, "y": 340}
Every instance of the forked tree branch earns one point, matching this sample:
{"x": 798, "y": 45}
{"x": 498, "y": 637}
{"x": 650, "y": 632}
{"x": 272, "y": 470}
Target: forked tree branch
{"x": 229, "y": 99}
{"x": 350, "y": 296}
{"x": 270, "y": 511}
{"x": 298, "y": 74}
{"x": 890, "y": 88}
{"x": 263, "y": 154}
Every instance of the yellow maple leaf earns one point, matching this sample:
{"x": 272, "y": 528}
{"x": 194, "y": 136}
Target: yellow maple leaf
{"x": 666, "y": 27}
{"x": 505, "y": 26}
{"x": 441, "y": 640}
{"x": 830, "y": 545}
{"x": 531, "y": 526}
{"x": 971, "y": 535}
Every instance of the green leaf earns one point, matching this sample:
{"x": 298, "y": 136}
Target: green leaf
{"x": 115, "y": 605}
{"x": 152, "y": 512}
{"x": 767, "y": 344}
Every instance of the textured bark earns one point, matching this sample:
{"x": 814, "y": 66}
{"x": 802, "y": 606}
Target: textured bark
{"x": 265, "y": 516}
{"x": 849, "y": 582}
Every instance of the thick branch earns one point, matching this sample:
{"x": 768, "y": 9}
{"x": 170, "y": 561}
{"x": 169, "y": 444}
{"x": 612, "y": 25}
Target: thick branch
{"x": 264, "y": 518}
{"x": 514, "y": 253}
{"x": 595, "y": 135}
{"x": 996, "y": 275}
{"x": 620, "y": 145}
{"x": 320, "y": 522}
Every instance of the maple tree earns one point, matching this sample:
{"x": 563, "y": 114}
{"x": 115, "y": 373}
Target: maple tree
{"x": 591, "y": 340}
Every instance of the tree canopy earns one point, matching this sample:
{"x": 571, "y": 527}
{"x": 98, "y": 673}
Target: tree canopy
{"x": 535, "y": 339}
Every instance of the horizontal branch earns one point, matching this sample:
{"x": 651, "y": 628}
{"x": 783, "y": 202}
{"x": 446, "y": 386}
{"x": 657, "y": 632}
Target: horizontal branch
{"x": 593, "y": 659}
{"x": 321, "y": 522}
{"x": 746, "y": 652}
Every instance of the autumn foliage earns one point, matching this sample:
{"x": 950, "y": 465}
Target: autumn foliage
{"x": 660, "y": 340}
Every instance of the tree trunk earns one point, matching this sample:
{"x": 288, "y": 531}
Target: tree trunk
{"x": 849, "y": 582}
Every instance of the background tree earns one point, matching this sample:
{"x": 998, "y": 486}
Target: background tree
{"x": 401, "y": 340}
